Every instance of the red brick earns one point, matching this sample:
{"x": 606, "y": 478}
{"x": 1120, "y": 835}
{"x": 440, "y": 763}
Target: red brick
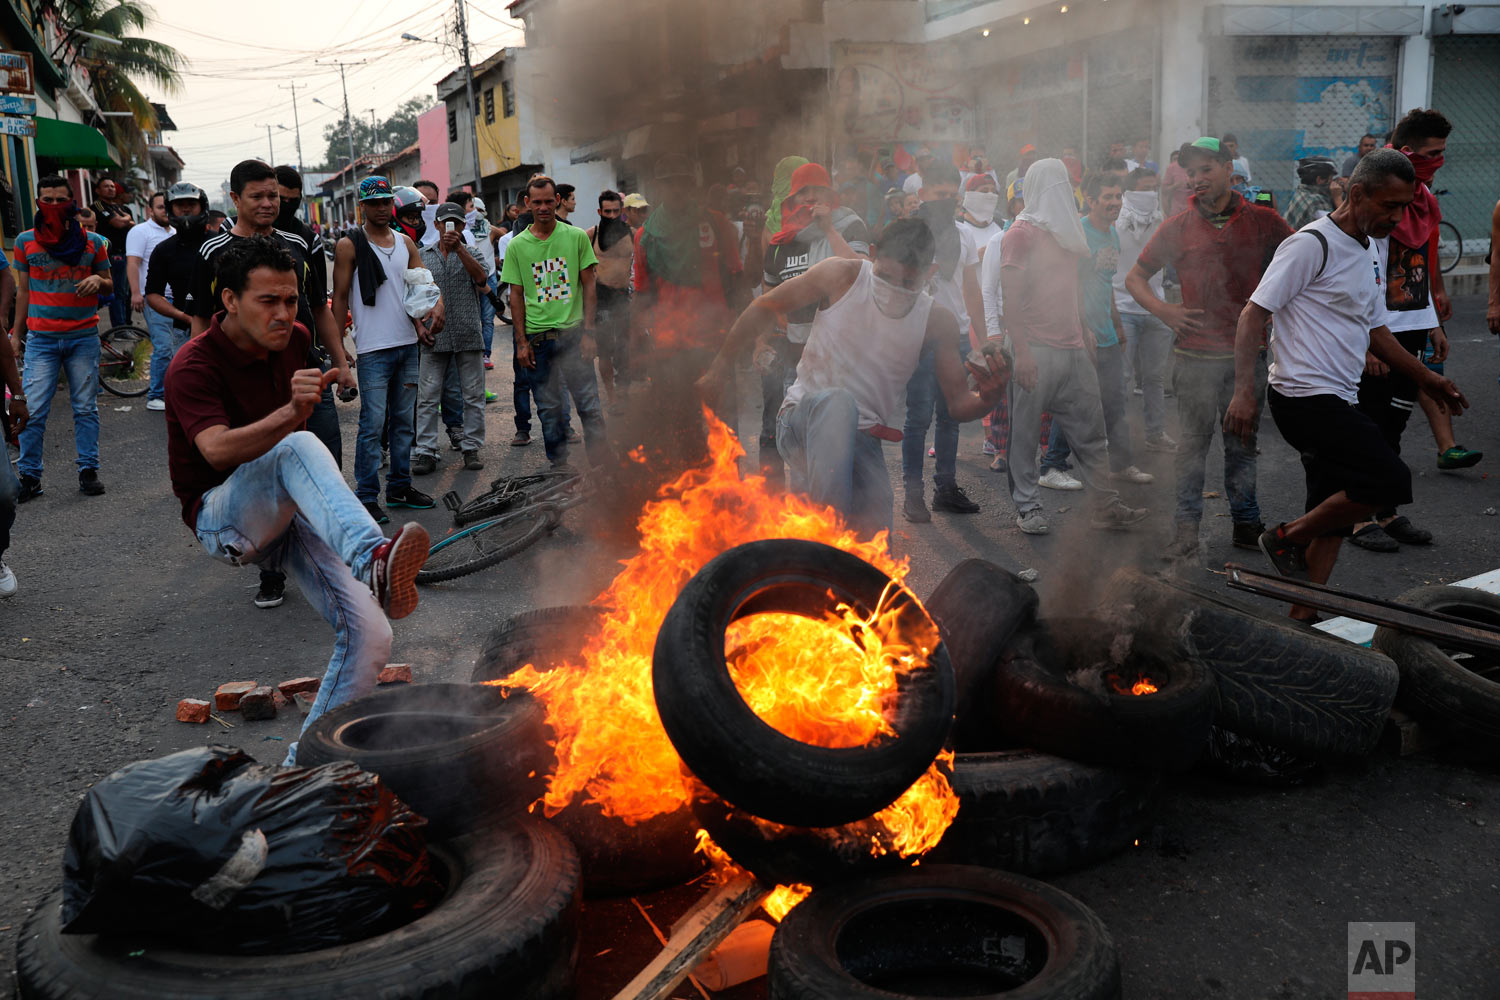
{"x": 395, "y": 673}
{"x": 258, "y": 704}
{"x": 304, "y": 701}
{"x": 279, "y": 700}
{"x": 227, "y": 697}
{"x": 192, "y": 710}
{"x": 308, "y": 684}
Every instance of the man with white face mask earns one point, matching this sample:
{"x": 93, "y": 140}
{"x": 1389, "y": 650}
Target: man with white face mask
{"x": 976, "y": 213}
{"x": 1054, "y": 370}
{"x": 872, "y": 326}
{"x": 1148, "y": 340}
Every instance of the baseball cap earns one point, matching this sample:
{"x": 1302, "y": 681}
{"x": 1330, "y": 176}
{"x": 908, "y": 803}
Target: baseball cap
{"x": 374, "y": 188}
{"x": 636, "y": 200}
{"x": 447, "y": 210}
{"x": 673, "y": 166}
{"x": 1204, "y": 145}
{"x": 809, "y": 175}
{"x": 1028, "y": 148}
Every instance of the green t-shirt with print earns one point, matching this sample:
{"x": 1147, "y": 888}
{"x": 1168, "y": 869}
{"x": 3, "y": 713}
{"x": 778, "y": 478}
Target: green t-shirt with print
{"x": 550, "y": 273}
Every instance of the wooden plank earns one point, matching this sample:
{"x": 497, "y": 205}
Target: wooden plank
{"x": 697, "y": 933}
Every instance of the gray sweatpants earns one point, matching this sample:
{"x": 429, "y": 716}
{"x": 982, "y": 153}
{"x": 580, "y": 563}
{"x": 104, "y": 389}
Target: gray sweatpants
{"x": 1068, "y": 388}
{"x": 432, "y": 370}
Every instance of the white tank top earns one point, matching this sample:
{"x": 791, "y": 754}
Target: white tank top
{"x": 855, "y": 346}
{"x": 384, "y": 324}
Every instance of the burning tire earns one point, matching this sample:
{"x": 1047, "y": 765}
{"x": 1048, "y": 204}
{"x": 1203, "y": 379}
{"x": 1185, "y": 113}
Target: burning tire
{"x": 978, "y": 607}
{"x": 1292, "y": 687}
{"x": 742, "y": 758}
{"x": 1458, "y": 691}
{"x": 943, "y": 930}
{"x": 1036, "y": 814}
{"x": 544, "y": 637}
{"x": 507, "y": 926}
{"x": 1040, "y": 698}
{"x": 461, "y": 755}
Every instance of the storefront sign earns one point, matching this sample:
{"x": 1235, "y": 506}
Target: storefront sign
{"x": 17, "y": 104}
{"x": 18, "y": 126}
{"x": 15, "y": 72}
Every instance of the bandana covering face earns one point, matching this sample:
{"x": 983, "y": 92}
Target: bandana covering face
{"x": 893, "y": 300}
{"x": 781, "y": 189}
{"x": 981, "y": 206}
{"x": 59, "y": 233}
{"x": 1423, "y": 214}
{"x": 1050, "y": 205}
{"x": 1141, "y": 210}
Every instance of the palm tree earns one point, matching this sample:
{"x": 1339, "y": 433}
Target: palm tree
{"x": 116, "y": 71}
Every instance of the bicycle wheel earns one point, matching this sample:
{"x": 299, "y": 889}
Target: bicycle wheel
{"x": 505, "y": 493}
{"x": 487, "y": 543}
{"x": 1450, "y": 246}
{"x": 567, "y": 490}
{"x": 125, "y": 361}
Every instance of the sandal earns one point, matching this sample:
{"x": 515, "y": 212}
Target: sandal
{"x": 1407, "y": 533}
{"x": 1374, "y": 538}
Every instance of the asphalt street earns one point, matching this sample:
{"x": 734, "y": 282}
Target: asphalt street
{"x": 1238, "y": 892}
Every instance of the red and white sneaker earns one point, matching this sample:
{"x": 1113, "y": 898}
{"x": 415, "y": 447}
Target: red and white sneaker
{"x": 393, "y": 569}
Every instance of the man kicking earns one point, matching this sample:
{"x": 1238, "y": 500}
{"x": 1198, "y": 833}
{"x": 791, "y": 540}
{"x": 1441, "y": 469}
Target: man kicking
{"x": 257, "y": 487}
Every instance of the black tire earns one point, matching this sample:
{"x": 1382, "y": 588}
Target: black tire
{"x": 943, "y": 930}
{"x": 618, "y": 859}
{"x": 545, "y": 637}
{"x": 1294, "y": 688}
{"x": 726, "y": 745}
{"x": 1457, "y": 691}
{"x": 483, "y": 545}
{"x": 978, "y": 607}
{"x": 1450, "y": 246}
{"x": 464, "y": 756}
{"x": 1036, "y": 814}
{"x": 507, "y": 926}
{"x": 125, "y": 361}
{"x": 1034, "y": 703}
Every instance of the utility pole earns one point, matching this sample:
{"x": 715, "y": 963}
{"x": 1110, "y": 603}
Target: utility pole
{"x": 463, "y": 39}
{"x": 348, "y": 124}
{"x": 296, "y": 121}
{"x": 269, "y": 147}
{"x": 374, "y": 131}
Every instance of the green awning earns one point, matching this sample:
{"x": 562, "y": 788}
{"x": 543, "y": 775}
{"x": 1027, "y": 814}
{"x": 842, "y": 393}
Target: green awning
{"x": 72, "y": 145}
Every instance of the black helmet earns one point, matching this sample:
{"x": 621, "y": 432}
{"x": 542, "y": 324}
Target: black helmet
{"x": 1311, "y": 168}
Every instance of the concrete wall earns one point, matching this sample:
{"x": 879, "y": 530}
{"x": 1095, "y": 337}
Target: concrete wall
{"x": 432, "y": 137}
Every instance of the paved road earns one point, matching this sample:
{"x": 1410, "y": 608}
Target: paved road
{"x": 1240, "y": 893}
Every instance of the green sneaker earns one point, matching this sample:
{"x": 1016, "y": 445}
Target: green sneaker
{"x": 1458, "y": 457}
{"x": 490, "y": 397}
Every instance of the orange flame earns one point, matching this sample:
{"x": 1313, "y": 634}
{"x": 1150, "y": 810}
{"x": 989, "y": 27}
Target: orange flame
{"x": 811, "y": 679}
{"x": 1143, "y": 686}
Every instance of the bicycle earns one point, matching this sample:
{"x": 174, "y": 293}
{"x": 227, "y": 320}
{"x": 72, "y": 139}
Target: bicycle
{"x": 125, "y": 361}
{"x": 526, "y": 517}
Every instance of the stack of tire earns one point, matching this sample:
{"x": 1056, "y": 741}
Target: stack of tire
{"x": 793, "y": 812}
{"x": 1286, "y": 687}
{"x": 507, "y": 923}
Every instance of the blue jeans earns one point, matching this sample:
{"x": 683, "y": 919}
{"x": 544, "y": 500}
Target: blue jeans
{"x": 119, "y": 306}
{"x": 291, "y": 511}
{"x": 834, "y": 462}
{"x": 1150, "y": 346}
{"x": 1056, "y": 455}
{"x": 922, "y": 395}
{"x": 163, "y": 346}
{"x": 387, "y": 381}
{"x": 46, "y": 359}
{"x": 521, "y": 393}
{"x": 560, "y": 370}
{"x": 487, "y": 316}
{"x": 1204, "y": 388}
{"x": 10, "y": 489}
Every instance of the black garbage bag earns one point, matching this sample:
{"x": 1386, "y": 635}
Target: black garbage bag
{"x": 210, "y": 850}
{"x": 1254, "y": 762}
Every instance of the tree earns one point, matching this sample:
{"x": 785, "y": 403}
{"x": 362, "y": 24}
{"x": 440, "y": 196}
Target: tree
{"x": 389, "y": 136}
{"x": 116, "y": 71}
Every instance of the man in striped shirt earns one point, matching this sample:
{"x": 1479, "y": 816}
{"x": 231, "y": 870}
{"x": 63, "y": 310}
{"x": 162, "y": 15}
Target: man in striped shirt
{"x": 60, "y": 272}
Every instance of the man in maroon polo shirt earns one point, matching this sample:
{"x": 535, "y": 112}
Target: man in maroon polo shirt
{"x": 1220, "y": 246}
{"x": 257, "y": 487}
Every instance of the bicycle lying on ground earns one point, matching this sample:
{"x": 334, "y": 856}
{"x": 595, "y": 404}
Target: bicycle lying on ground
{"x": 125, "y": 361}
{"x": 506, "y": 519}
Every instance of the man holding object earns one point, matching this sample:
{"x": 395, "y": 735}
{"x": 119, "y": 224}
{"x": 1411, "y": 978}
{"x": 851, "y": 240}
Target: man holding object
{"x": 1326, "y": 288}
{"x": 257, "y": 487}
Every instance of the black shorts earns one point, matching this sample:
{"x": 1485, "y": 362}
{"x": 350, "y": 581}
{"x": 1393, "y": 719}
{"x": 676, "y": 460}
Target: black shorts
{"x": 1342, "y": 450}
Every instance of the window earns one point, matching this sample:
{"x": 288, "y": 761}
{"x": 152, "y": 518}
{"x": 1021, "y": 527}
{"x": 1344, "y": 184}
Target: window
{"x": 489, "y": 106}
{"x": 452, "y": 124}
{"x": 508, "y": 98}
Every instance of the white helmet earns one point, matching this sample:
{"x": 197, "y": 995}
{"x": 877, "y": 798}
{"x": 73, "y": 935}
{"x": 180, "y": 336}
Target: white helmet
{"x": 479, "y": 204}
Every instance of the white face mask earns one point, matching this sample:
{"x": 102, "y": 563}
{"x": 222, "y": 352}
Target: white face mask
{"x": 893, "y": 300}
{"x": 1140, "y": 202}
{"x": 981, "y": 206}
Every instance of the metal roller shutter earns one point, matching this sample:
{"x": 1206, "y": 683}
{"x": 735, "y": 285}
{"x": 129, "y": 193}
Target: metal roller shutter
{"x": 1466, "y": 88}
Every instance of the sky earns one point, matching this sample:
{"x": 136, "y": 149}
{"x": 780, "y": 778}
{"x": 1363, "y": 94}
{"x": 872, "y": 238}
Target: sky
{"x": 241, "y": 66}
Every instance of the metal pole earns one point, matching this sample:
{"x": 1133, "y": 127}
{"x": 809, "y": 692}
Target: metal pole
{"x": 269, "y": 147}
{"x": 463, "y": 37}
{"x": 374, "y": 132}
{"x": 349, "y": 134}
{"x": 296, "y": 121}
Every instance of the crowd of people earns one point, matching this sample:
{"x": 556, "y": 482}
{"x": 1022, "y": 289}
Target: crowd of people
{"x": 868, "y": 305}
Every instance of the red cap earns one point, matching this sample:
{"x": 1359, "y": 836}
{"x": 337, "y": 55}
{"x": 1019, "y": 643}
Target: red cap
{"x": 972, "y": 184}
{"x": 1028, "y": 148}
{"x": 809, "y": 175}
